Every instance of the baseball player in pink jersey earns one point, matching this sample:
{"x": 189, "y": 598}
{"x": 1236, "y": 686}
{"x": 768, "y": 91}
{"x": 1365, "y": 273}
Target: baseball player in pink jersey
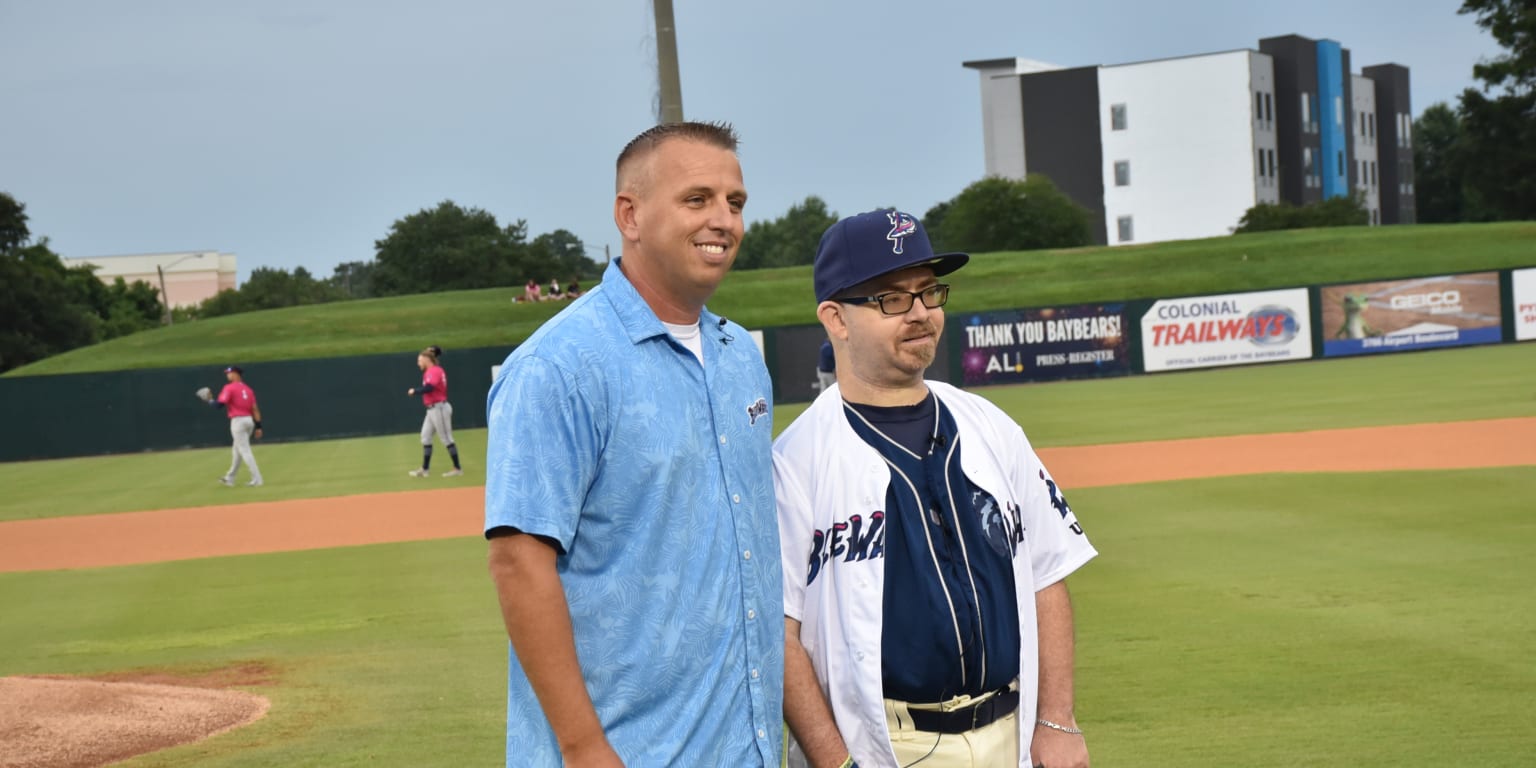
{"x": 239, "y": 403}
{"x": 439, "y": 418}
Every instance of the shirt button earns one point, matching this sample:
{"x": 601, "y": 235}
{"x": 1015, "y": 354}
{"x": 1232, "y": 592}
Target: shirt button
{"x": 754, "y": 674}
{"x": 751, "y": 614}
{"x": 736, "y": 497}
{"x": 722, "y": 439}
{"x": 762, "y": 734}
{"x": 747, "y": 555}
{"x": 860, "y": 655}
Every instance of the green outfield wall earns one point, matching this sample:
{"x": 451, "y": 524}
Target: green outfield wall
{"x": 155, "y": 410}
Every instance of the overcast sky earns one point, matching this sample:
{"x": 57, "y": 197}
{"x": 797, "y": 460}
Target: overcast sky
{"x": 294, "y": 133}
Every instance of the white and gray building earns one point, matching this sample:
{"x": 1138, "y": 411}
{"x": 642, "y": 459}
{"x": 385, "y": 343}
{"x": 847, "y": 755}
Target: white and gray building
{"x": 1180, "y": 148}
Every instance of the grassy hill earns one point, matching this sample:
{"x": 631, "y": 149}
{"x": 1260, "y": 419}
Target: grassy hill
{"x": 767, "y": 298}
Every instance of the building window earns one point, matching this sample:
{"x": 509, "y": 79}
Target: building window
{"x": 1338, "y": 111}
{"x": 1306, "y": 165}
{"x": 1261, "y": 164}
{"x": 1272, "y": 171}
{"x": 1122, "y": 173}
{"x": 1371, "y": 122}
{"x": 1117, "y": 117}
{"x": 1126, "y": 233}
{"x": 1269, "y": 107}
{"x": 1306, "y": 111}
{"x": 1258, "y": 106}
{"x": 1341, "y": 163}
{"x": 1373, "y": 173}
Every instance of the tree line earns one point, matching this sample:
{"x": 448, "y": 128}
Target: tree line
{"x": 47, "y": 308}
{"x": 1476, "y": 161}
{"x": 446, "y": 248}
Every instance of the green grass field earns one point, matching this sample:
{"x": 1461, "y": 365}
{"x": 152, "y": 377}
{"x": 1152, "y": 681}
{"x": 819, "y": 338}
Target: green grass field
{"x": 777, "y": 297}
{"x": 1328, "y": 620}
{"x": 1355, "y": 392}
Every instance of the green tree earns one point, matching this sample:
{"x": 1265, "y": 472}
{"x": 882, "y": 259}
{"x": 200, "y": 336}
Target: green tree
{"x": 1442, "y": 190}
{"x": 933, "y": 220}
{"x": 449, "y": 248}
{"x": 560, "y": 255}
{"x": 354, "y": 279}
{"x": 1499, "y": 121}
{"x": 42, "y": 312}
{"x": 1341, "y": 211}
{"x": 789, "y": 240}
{"x": 13, "y": 223}
{"x": 272, "y": 288}
{"x": 47, "y": 308}
{"x": 1000, "y": 214}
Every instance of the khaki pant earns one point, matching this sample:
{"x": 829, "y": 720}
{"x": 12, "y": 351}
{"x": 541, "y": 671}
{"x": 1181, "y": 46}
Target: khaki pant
{"x": 995, "y": 745}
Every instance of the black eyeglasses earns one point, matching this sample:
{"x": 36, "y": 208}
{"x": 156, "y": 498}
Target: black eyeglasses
{"x": 900, "y": 302}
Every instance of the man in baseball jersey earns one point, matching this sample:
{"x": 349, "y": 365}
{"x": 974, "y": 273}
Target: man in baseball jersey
{"x": 924, "y": 544}
{"x": 239, "y": 404}
{"x": 629, "y": 494}
{"x": 439, "y": 418}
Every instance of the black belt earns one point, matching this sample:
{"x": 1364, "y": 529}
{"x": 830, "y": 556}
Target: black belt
{"x": 967, "y": 718}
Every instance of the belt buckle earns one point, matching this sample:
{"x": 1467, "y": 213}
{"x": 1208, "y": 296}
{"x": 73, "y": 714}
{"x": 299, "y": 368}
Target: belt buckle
{"x": 957, "y": 703}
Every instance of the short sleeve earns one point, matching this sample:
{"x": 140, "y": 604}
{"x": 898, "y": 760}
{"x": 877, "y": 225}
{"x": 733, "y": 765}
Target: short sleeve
{"x": 537, "y": 478}
{"x": 1058, "y": 545}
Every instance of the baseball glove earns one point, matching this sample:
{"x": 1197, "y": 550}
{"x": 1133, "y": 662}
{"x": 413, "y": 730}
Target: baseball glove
{"x": 204, "y": 394}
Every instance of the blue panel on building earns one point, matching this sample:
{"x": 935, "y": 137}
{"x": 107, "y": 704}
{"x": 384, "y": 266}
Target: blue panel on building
{"x": 1333, "y": 118}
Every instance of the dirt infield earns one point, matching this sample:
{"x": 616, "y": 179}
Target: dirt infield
{"x": 72, "y": 723}
{"x": 93, "y": 541}
{"x": 61, "y": 722}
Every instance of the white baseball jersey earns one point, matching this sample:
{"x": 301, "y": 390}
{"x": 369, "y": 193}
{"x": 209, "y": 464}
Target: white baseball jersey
{"x": 829, "y": 482}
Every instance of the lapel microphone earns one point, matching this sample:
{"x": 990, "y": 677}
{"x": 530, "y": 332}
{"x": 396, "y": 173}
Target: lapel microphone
{"x": 725, "y": 338}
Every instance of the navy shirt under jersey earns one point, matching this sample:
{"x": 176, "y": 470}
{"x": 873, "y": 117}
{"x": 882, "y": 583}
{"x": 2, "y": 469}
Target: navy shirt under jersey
{"x": 951, "y": 611}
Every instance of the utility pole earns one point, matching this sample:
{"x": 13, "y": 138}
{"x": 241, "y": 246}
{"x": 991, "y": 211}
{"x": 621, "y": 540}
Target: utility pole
{"x": 671, "y": 108}
{"x": 165, "y": 300}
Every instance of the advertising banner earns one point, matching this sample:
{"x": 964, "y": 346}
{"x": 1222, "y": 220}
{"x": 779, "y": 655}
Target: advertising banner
{"x": 1043, "y": 344}
{"x": 1525, "y": 303}
{"x": 1398, "y": 315}
{"x": 1230, "y": 329}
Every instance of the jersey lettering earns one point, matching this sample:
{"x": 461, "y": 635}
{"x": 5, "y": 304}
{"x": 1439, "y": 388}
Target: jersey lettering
{"x": 847, "y": 540}
{"x": 1060, "y": 503}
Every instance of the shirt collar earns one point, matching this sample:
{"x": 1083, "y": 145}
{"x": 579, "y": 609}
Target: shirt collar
{"x": 639, "y": 320}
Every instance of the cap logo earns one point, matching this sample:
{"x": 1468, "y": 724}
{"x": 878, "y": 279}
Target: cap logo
{"x": 902, "y": 225}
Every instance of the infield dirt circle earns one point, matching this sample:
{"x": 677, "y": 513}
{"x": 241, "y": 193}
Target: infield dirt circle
{"x": 58, "y": 722}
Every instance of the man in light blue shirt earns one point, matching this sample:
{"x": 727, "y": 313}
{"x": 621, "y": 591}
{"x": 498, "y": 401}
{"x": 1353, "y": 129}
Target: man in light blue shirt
{"x": 629, "y": 494}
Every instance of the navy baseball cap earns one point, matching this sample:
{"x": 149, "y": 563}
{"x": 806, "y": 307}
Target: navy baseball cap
{"x": 234, "y": 369}
{"x": 868, "y": 245}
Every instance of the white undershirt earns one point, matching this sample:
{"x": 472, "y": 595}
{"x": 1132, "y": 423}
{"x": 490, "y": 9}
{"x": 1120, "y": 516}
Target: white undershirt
{"x": 688, "y": 336}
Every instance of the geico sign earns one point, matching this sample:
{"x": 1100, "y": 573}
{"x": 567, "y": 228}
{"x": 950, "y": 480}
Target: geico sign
{"x": 1427, "y": 300}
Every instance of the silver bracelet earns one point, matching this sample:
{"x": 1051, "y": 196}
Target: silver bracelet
{"x": 1062, "y": 728}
